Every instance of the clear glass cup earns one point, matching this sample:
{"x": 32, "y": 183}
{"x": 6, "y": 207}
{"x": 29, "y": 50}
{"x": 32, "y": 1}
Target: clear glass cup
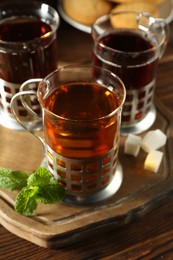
{"x": 28, "y": 48}
{"x": 130, "y": 45}
{"x": 81, "y": 114}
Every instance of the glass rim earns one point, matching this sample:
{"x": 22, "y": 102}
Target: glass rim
{"x": 111, "y": 114}
{"x": 106, "y": 16}
{"x": 37, "y": 4}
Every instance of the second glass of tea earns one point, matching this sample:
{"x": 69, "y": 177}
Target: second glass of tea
{"x": 130, "y": 45}
{"x": 81, "y": 106}
{"x": 28, "y": 48}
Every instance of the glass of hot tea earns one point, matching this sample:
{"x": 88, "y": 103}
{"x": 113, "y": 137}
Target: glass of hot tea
{"x": 27, "y": 49}
{"x": 81, "y": 113}
{"x": 130, "y": 45}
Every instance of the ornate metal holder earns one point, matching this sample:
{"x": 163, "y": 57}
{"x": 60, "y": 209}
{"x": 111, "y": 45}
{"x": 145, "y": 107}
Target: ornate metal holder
{"x": 139, "y": 104}
{"x": 86, "y": 181}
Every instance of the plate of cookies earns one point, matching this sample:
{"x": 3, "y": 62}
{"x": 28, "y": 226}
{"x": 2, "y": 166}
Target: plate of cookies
{"x": 81, "y": 13}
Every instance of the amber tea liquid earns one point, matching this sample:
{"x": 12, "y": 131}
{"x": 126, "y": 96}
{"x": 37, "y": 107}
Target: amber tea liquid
{"x": 81, "y": 130}
{"x": 136, "y": 71}
{"x": 33, "y": 59}
{"x": 131, "y": 60}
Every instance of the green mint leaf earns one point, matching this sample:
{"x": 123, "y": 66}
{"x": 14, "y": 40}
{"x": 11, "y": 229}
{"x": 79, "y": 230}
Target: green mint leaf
{"x": 40, "y": 177}
{"x": 12, "y": 180}
{"x": 53, "y": 181}
{"x": 26, "y": 202}
{"x": 51, "y": 193}
{"x": 39, "y": 186}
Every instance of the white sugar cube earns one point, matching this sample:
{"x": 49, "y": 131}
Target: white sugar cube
{"x": 132, "y": 144}
{"x": 153, "y": 140}
{"x": 153, "y": 161}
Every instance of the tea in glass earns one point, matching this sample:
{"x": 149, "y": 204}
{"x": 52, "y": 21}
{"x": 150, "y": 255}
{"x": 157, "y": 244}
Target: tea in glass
{"x": 81, "y": 113}
{"x": 133, "y": 54}
{"x": 28, "y": 48}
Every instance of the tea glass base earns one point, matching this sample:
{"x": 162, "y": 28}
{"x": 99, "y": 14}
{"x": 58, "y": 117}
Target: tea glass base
{"x": 98, "y": 196}
{"x": 141, "y": 126}
{"x": 9, "y": 122}
{"x": 101, "y": 195}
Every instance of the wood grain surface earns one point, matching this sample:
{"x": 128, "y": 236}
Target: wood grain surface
{"x": 147, "y": 237}
{"x": 62, "y": 224}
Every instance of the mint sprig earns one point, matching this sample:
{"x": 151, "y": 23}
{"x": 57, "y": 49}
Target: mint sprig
{"x": 37, "y": 187}
{"x": 12, "y": 180}
{"x": 26, "y": 201}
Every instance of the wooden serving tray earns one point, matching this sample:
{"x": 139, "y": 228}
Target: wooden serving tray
{"x": 60, "y": 224}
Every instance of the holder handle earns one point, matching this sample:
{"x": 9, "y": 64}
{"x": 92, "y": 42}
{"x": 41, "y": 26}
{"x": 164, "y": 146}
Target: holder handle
{"x": 30, "y": 127}
{"x": 158, "y": 25}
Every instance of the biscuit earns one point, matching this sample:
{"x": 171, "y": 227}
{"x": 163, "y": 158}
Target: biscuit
{"x": 155, "y": 2}
{"x": 123, "y": 1}
{"x": 86, "y": 11}
{"x": 127, "y": 20}
{"x": 122, "y": 20}
{"x": 140, "y": 6}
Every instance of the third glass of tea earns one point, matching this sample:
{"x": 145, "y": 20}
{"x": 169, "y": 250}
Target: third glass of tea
{"x": 28, "y": 48}
{"x": 81, "y": 107}
{"x": 130, "y": 44}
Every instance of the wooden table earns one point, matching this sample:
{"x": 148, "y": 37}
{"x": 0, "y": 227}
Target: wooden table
{"x": 148, "y": 237}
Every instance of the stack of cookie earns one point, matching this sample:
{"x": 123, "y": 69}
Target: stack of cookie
{"x": 87, "y": 11}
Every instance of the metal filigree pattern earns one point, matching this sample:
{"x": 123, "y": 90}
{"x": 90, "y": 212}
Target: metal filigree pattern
{"x": 138, "y": 104}
{"x": 82, "y": 176}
